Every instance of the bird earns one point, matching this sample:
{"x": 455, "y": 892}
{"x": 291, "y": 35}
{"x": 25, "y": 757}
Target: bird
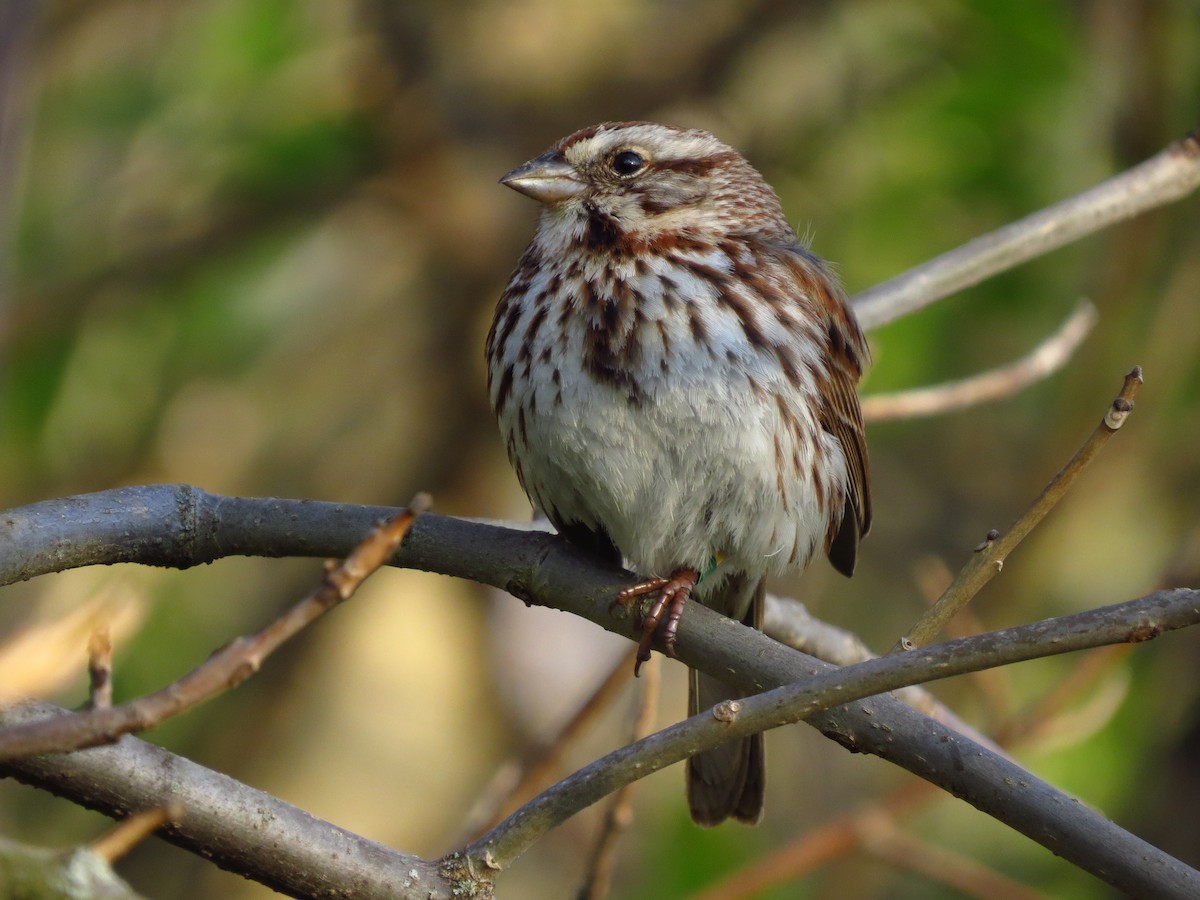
{"x": 674, "y": 374}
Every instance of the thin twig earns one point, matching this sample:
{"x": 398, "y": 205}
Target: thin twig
{"x": 843, "y": 835}
{"x": 100, "y": 669}
{"x": 506, "y": 792}
{"x": 996, "y": 384}
{"x": 225, "y": 669}
{"x": 130, "y": 832}
{"x": 933, "y": 576}
{"x": 1171, "y": 174}
{"x": 839, "y": 837}
{"x": 597, "y": 884}
{"x": 989, "y": 557}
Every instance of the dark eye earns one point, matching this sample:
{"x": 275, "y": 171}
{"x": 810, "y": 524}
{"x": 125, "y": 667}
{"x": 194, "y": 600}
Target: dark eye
{"x": 627, "y": 162}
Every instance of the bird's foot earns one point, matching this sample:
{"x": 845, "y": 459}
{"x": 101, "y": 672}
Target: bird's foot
{"x": 672, "y": 593}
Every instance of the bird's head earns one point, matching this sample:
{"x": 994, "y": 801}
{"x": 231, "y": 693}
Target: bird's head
{"x": 636, "y": 180}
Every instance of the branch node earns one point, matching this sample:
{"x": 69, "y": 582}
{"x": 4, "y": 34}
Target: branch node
{"x": 990, "y": 538}
{"x": 1118, "y": 413}
{"x": 1142, "y": 633}
{"x": 727, "y": 711}
{"x": 421, "y": 502}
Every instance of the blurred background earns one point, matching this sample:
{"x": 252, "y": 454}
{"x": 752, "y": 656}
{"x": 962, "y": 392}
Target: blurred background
{"x": 254, "y": 245}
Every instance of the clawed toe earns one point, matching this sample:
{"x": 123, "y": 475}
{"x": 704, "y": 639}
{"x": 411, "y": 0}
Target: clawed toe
{"x": 673, "y": 593}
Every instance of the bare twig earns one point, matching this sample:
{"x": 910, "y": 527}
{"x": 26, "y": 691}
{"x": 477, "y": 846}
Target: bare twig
{"x": 933, "y": 576}
{"x": 598, "y": 882}
{"x": 225, "y": 669}
{"x": 118, "y": 841}
{"x": 1044, "y": 360}
{"x": 843, "y": 835}
{"x": 989, "y": 557}
{"x": 506, "y": 791}
{"x": 100, "y": 669}
{"x": 1164, "y": 178}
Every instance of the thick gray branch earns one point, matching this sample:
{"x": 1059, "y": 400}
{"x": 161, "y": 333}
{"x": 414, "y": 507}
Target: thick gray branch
{"x": 237, "y": 827}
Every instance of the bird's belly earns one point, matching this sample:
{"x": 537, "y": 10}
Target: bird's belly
{"x": 686, "y": 473}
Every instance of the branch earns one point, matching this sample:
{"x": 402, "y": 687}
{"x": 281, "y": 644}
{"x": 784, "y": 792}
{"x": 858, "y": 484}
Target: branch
{"x": 1044, "y": 360}
{"x": 984, "y": 779}
{"x": 989, "y": 556}
{"x": 1170, "y": 175}
{"x": 237, "y": 827}
{"x": 173, "y": 526}
{"x": 225, "y": 669}
{"x": 789, "y": 622}
{"x": 180, "y": 525}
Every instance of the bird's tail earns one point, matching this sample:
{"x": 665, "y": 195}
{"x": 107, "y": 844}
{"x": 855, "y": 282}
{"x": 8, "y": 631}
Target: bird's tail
{"x": 729, "y": 779}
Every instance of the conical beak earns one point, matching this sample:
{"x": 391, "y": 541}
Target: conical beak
{"x": 549, "y": 178}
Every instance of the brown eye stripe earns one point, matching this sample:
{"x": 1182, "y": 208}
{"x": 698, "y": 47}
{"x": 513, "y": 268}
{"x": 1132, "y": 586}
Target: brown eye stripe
{"x": 696, "y": 167}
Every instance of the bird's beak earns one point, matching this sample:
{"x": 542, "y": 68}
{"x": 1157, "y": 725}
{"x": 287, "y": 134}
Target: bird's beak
{"x": 549, "y": 178}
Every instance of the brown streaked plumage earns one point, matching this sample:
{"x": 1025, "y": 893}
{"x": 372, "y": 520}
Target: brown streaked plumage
{"x": 675, "y": 378}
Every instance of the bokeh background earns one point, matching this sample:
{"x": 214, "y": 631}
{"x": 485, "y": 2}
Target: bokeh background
{"x": 254, "y": 245}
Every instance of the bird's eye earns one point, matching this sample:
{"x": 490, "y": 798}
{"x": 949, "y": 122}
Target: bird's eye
{"x": 627, "y": 162}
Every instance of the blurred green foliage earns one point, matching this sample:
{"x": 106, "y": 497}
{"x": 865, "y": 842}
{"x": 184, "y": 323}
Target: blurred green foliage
{"x": 254, "y": 245}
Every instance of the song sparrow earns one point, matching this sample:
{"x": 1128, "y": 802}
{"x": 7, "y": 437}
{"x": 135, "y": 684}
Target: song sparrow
{"x": 675, "y": 374}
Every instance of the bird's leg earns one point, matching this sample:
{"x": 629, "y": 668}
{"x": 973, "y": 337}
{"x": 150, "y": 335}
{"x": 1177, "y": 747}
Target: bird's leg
{"x": 673, "y": 593}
